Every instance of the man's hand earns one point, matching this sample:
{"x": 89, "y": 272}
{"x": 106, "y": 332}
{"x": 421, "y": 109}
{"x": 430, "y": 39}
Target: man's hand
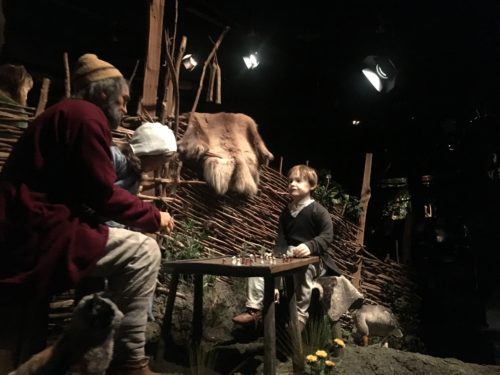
{"x": 276, "y": 295}
{"x": 301, "y": 251}
{"x": 167, "y": 222}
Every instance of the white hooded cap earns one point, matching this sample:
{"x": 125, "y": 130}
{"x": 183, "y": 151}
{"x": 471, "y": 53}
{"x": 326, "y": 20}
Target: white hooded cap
{"x": 153, "y": 138}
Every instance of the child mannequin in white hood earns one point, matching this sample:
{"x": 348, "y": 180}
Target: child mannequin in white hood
{"x": 149, "y": 148}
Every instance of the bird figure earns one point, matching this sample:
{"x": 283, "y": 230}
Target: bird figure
{"x": 87, "y": 343}
{"x": 376, "y": 320}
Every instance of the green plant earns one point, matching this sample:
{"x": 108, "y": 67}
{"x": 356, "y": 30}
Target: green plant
{"x": 334, "y": 197}
{"x": 319, "y": 363}
{"x": 325, "y": 353}
{"x": 317, "y": 334}
{"x": 186, "y": 241}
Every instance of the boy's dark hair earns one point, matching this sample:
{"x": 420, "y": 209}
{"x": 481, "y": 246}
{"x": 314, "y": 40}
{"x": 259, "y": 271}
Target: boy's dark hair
{"x": 305, "y": 172}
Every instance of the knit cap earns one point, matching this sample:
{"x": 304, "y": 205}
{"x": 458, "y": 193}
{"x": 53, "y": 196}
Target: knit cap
{"x": 153, "y": 138}
{"x": 90, "y": 69}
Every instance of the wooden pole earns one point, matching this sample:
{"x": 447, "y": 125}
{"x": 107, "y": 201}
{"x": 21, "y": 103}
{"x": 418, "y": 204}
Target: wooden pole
{"x": 44, "y": 94}
{"x": 134, "y": 72}
{"x": 207, "y": 61}
{"x": 67, "y": 76}
{"x": 152, "y": 68}
{"x": 175, "y": 85}
{"x": 178, "y": 62}
{"x": 364, "y": 199}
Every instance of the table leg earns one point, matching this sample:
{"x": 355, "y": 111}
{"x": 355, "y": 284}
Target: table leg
{"x": 297, "y": 355}
{"x": 167, "y": 317}
{"x": 198, "y": 309}
{"x": 269, "y": 327}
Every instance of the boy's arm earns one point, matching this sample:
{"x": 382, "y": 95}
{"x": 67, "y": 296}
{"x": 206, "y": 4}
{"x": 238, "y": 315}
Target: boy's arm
{"x": 324, "y": 238}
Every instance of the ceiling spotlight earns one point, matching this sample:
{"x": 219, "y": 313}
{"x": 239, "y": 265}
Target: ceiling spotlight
{"x": 251, "y": 61}
{"x": 381, "y": 72}
{"x": 189, "y": 62}
{"x": 355, "y": 122}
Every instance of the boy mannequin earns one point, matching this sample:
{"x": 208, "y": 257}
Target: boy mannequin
{"x": 305, "y": 228}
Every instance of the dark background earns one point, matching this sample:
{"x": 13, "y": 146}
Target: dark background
{"x": 309, "y": 86}
{"x": 440, "y": 119}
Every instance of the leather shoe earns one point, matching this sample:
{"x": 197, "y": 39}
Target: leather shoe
{"x": 249, "y": 316}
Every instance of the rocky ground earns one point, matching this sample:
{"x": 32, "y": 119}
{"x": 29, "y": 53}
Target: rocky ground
{"x": 227, "y": 349}
{"x": 365, "y": 361}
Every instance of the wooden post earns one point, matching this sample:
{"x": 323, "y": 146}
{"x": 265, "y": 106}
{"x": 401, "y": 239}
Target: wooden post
{"x": 152, "y": 68}
{"x": 67, "y": 76}
{"x": 364, "y": 199}
{"x": 172, "y": 95}
{"x": 44, "y": 94}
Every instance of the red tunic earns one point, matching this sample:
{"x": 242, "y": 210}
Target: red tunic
{"x": 61, "y": 163}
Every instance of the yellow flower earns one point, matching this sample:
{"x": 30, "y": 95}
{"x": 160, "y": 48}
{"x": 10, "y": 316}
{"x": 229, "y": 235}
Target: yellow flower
{"x": 321, "y": 354}
{"x": 311, "y": 358}
{"x": 329, "y": 363}
{"x": 339, "y": 342}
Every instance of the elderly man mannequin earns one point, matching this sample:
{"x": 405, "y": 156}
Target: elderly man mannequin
{"x": 61, "y": 164}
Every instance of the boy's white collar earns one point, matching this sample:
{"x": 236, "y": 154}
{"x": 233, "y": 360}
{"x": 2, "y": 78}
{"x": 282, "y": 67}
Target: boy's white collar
{"x": 295, "y": 208}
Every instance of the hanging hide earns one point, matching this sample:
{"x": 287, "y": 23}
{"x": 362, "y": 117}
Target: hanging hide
{"x": 230, "y": 148}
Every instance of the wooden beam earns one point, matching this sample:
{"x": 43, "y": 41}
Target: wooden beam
{"x": 365, "y": 198}
{"x": 44, "y": 95}
{"x": 152, "y": 67}
{"x": 67, "y": 76}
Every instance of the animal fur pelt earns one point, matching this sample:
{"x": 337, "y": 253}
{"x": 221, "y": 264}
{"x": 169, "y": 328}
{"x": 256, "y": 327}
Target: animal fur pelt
{"x": 87, "y": 344}
{"x": 230, "y": 147}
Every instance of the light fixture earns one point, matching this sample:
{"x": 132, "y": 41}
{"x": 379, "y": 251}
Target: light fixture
{"x": 251, "y": 61}
{"x": 381, "y": 72}
{"x": 355, "y": 122}
{"x": 189, "y": 62}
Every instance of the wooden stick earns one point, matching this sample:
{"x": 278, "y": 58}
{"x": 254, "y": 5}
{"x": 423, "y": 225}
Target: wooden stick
{"x": 134, "y": 72}
{"x": 168, "y": 180}
{"x": 211, "y": 82}
{"x": 18, "y": 106}
{"x": 67, "y": 75}
{"x": 175, "y": 83}
{"x": 177, "y": 96}
{"x": 44, "y": 95}
{"x": 154, "y": 198}
{"x": 207, "y": 61}
{"x": 218, "y": 93}
{"x": 174, "y": 36}
{"x": 365, "y": 198}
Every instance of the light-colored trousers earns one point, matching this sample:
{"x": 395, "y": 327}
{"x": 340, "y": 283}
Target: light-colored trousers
{"x": 303, "y": 281}
{"x": 130, "y": 264}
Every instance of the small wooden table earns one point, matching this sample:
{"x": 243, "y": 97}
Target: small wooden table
{"x": 224, "y": 266}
